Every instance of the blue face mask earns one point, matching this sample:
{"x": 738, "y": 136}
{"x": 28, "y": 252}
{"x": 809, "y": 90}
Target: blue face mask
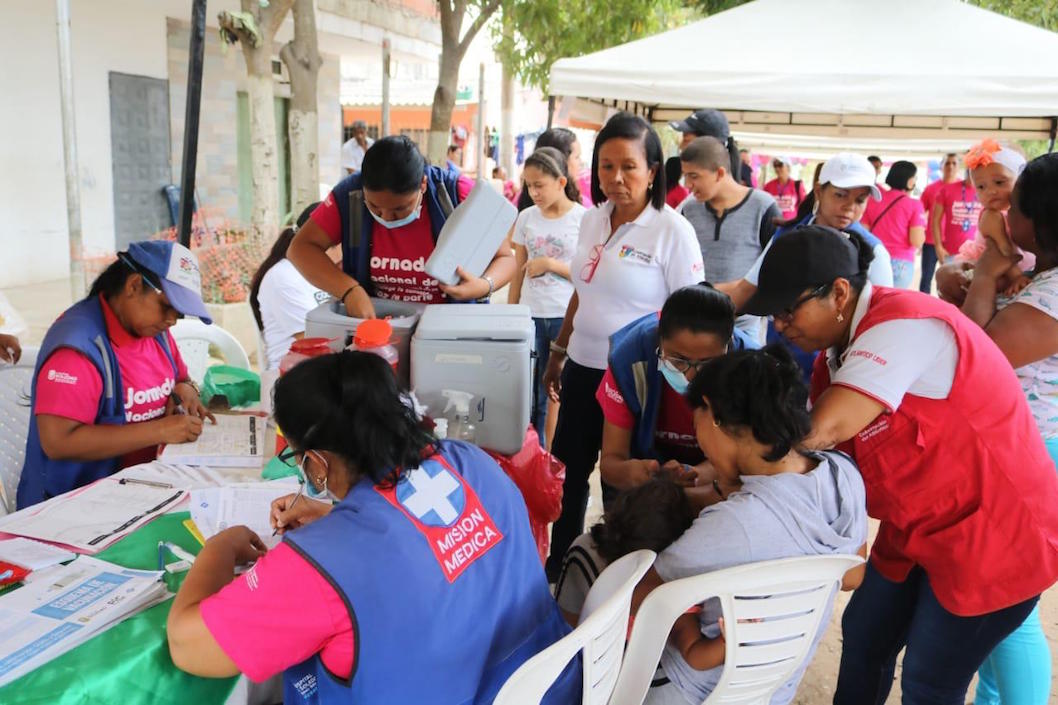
{"x": 392, "y": 224}
{"x": 674, "y": 377}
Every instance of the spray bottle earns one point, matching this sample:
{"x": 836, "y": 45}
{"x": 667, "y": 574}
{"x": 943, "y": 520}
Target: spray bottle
{"x": 459, "y": 427}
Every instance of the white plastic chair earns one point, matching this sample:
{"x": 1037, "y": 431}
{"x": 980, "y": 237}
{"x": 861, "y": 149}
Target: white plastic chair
{"x": 772, "y": 611}
{"x": 195, "y": 338}
{"x": 600, "y": 636}
{"x": 16, "y": 383}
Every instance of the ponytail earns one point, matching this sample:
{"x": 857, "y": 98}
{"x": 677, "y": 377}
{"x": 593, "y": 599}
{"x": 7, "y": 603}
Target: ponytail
{"x": 736, "y": 161}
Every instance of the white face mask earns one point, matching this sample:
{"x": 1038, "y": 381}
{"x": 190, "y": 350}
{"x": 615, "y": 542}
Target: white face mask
{"x": 392, "y": 224}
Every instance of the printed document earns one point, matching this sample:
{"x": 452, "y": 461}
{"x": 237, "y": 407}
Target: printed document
{"x": 235, "y": 441}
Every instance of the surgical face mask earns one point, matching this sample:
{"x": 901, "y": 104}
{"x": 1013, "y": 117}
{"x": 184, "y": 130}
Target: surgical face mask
{"x": 324, "y": 495}
{"x": 392, "y": 224}
{"x": 674, "y": 377}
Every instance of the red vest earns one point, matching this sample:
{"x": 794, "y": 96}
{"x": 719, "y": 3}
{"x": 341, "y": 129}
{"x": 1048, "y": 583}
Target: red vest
{"x": 963, "y": 486}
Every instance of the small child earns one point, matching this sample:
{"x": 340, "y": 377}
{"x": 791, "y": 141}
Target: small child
{"x": 650, "y": 516}
{"x": 994, "y": 169}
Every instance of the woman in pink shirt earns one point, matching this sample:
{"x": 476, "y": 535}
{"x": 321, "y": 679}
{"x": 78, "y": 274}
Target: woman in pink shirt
{"x": 897, "y": 221}
{"x": 788, "y": 193}
{"x": 110, "y": 385}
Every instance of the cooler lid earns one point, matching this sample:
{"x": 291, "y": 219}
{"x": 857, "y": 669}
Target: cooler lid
{"x": 476, "y": 322}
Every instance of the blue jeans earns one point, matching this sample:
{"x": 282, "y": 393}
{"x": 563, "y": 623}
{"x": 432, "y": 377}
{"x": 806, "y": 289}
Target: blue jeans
{"x": 943, "y": 649}
{"x": 929, "y": 266}
{"x": 903, "y": 273}
{"x": 546, "y": 332}
{"x": 1018, "y": 671}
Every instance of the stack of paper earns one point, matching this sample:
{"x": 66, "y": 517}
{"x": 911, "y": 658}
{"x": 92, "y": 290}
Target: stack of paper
{"x": 214, "y": 509}
{"x": 33, "y": 555}
{"x": 47, "y": 618}
{"x": 235, "y": 441}
{"x": 93, "y": 517}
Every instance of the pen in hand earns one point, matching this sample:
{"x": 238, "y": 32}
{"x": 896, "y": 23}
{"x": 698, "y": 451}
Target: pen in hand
{"x": 178, "y": 405}
{"x": 291, "y": 506}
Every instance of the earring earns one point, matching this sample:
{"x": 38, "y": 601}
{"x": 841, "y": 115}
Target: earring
{"x": 716, "y": 424}
{"x": 841, "y": 318}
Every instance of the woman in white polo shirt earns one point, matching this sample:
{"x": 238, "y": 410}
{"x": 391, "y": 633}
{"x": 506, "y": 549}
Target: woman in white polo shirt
{"x": 632, "y": 252}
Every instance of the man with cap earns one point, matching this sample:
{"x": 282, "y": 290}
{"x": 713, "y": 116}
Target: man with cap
{"x": 110, "y": 386}
{"x": 354, "y": 150}
{"x": 953, "y": 464}
{"x": 710, "y": 123}
{"x": 787, "y": 193}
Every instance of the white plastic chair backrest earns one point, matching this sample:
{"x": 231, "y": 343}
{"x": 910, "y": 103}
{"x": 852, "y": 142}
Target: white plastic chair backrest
{"x": 16, "y": 383}
{"x": 600, "y": 636}
{"x": 772, "y": 611}
{"x": 194, "y": 339}
{"x": 262, "y": 347}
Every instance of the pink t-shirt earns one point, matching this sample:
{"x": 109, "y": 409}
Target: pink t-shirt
{"x": 69, "y": 385}
{"x": 788, "y": 196}
{"x": 962, "y": 210}
{"x": 928, "y": 198}
{"x": 279, "y": 613}
{"x": 891, "y": 220}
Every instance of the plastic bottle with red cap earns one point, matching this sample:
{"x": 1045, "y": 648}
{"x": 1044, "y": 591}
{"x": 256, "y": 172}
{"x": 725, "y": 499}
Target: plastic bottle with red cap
{"x": 374, "y": 336}
{"x": 302, "y": 350}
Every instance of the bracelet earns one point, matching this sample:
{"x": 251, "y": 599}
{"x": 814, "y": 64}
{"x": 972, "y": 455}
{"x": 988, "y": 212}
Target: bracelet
{"x": 191, "y": 383}
{"x": 716, "y": 488}
{"x": 492, "y": 286}
{"x": 348, "y": 291}
{"x": 556, "y": 348}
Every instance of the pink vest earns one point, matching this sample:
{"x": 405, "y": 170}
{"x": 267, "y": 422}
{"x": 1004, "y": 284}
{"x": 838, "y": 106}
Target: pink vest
{"x": 963, "y": 486}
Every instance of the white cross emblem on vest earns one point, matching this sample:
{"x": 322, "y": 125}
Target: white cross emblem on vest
{"x": 431, "y": 493}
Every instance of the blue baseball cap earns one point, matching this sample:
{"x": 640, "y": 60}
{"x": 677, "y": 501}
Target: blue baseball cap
{"x": 178, "y": 274}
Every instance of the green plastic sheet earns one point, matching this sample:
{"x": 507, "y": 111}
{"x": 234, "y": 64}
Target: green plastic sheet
{"x": 128, "y": 663}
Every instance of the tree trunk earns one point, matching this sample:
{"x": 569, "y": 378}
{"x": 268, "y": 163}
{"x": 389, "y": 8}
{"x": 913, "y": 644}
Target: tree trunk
{"x": 453, "y": 49}
{"x": 444, "y": 101}
{"x": 507, "y": 106}
{"x": 256, "y": 41}
{"x": 264, "y": 216}
{"x": 302, "y": 59}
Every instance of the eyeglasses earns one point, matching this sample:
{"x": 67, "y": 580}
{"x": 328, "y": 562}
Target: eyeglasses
{"x": 787, "y": 314}
{"x": 587, "y": 272}
{"x": 288, "y": 456}
{"x": 681, "y": 364}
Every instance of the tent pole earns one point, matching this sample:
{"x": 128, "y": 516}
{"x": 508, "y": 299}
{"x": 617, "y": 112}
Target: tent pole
{"x": 550, "y": 110}
{"x": 69, "y": 148}
{"x": 1054, "y": 133}
{"x": 191, "y": 113}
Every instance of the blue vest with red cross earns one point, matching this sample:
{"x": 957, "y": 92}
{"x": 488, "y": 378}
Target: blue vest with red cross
{"x": 82, "y": 328}
{"x": 444, "y": 588}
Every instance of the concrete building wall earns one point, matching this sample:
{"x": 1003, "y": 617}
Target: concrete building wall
{"x": 116, "y": 35}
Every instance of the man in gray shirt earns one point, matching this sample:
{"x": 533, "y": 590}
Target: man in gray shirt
{"x": 733, "y": 222}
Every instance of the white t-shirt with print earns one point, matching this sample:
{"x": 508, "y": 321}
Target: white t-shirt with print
{"x": 285, "y": 299}
{"x": 1039, "y": 380}
{"x": 353, "y": 154}
{"x": 915, "y": 356}
{"x": 548, "y": 295}
{"x": 635, "y": 270}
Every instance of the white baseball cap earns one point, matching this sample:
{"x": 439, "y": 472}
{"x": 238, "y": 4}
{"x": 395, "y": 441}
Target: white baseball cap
{"x": 848, "y": 170}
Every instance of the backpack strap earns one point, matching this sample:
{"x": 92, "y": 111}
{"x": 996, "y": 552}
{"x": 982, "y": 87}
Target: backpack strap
{"x": 886, "y": 210}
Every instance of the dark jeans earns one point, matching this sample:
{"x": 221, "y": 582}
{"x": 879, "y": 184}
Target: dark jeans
{"x": 929, "y": 265}
{"x": 546, "y": 332}
{"x": 943, "y": 649}
{"x": 578, "y": 438}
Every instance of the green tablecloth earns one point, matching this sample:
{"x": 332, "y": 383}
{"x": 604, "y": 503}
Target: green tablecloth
{"x": 128, "y": 663}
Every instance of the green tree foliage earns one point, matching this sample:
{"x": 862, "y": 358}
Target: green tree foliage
{"x": 1042, "y": 13}
{"x": 547, "y": 30}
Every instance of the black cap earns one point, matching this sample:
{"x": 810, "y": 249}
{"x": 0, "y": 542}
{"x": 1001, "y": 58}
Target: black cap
{"x": 705, "y": 123}
{"x": 805, "y": 258}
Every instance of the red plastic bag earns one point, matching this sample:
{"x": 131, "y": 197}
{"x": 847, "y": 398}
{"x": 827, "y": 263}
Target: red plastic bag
{"x": 539, "y": 476}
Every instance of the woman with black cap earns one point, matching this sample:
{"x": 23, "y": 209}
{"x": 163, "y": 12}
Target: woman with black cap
{"x": 952, "y": 461}
{"x": 710, "y": 123}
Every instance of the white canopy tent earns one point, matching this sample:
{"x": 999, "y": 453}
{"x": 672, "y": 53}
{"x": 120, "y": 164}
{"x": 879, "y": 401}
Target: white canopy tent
{"x": 901, "y": 77}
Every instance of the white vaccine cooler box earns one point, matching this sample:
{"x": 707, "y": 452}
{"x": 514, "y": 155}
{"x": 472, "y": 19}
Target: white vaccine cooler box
{"x": 329, "y": 320}
{"x": 483, "y": 349}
